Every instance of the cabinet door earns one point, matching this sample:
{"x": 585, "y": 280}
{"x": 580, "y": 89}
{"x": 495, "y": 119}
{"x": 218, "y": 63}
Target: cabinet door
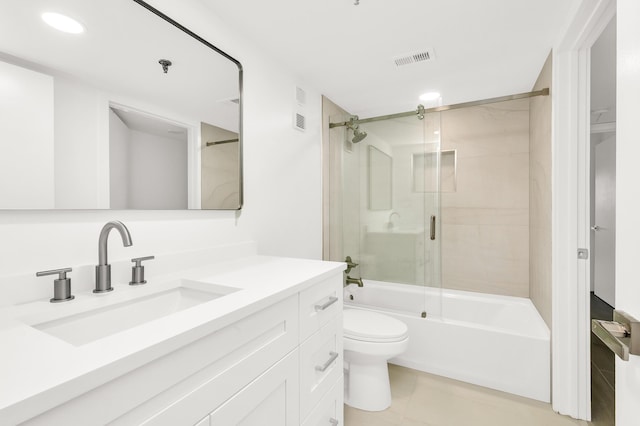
{"x": 320, "y": 364}
{"x": 271, "y": 399}
{"x": 203, "y": 422}
{"x": 330, "y": 410}
{"x": 319, "y": 304}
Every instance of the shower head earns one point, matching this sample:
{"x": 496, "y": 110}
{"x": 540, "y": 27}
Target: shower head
{"x": 358, "y": 134}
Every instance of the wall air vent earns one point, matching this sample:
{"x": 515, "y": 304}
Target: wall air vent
{"x": 301, "y": 96}
{"x": 299, "y": 121}
{"x": 415, "y": 57}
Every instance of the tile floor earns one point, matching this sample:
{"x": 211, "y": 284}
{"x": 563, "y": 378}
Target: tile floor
{"x": 422, "y": 399}
{"x": 602, "y": 371}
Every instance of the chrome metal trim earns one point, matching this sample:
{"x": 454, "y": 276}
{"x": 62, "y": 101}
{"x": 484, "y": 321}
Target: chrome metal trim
{"x": 332, "y": 357}
{"x": 620, "y": 345}
{"x": 61, "y": 286}
{"x": 325, "y": 305}
{"x": 420, "y": 112}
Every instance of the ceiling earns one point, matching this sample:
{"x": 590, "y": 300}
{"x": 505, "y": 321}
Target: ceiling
{"x": 482, "y": 48}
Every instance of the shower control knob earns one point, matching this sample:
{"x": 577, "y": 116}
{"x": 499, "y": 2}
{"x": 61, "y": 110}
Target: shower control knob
{"x": 350, "y": 264}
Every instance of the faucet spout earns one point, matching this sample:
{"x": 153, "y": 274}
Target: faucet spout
{"x": 390, "y": 223}
{"x": 103, "y": 269}
{"x": 357, "y": 281}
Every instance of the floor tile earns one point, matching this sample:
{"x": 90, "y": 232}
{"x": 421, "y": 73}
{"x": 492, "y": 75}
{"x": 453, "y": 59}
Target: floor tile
{"x": 422, "y": 399}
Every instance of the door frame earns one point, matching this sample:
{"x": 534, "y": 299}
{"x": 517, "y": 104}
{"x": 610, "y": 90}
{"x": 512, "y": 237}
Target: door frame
{"x": 570, "y": 343}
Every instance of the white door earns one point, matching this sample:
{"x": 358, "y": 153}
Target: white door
{"x": 605, "y": 220}
{"x": 628, "y": 202}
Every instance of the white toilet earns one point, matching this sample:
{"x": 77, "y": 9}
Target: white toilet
{"x": 370, "y": 340}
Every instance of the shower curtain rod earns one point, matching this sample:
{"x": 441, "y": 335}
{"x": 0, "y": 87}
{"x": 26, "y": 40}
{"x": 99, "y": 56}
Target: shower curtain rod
{"x": 422, "y": 110}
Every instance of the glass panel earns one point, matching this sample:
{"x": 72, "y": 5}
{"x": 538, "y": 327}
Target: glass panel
{"x": 380, "y": 179}
{"x": 385, "y": 189}
{"x": 434, "y": 178}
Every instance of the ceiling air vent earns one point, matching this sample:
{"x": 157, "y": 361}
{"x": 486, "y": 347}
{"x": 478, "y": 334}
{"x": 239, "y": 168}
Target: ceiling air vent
{"x": 414, "y": 58}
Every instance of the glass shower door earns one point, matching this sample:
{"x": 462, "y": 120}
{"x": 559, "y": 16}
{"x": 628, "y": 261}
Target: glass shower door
{"x": 390, "y": 207}
{"x": 432, "y": 169}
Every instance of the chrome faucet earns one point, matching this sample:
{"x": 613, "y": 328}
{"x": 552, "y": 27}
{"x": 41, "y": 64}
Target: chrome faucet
{"x": 103, "y": 270}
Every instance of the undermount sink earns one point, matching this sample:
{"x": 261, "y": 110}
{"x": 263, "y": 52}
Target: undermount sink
{"x": 81, "y": 328}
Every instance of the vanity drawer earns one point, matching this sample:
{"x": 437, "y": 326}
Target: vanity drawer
{"x": 321, "y": 364}
{"x": 330, "y": 409}
{"x": 319, "y": 304}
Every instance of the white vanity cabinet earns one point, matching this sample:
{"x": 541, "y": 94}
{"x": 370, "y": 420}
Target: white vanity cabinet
{"x": 321, "y": 353}
{"x": 305, "y": 386}
{"x": 278, "y": 365}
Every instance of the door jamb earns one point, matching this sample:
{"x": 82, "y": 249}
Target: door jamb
{"x": 570, "y": 344}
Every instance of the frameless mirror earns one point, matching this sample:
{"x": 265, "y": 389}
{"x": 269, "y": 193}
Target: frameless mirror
{"x": 134, "y": 112}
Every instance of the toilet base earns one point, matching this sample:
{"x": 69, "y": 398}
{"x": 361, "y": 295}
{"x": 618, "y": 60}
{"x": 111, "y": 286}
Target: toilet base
{"x": 368, "y": 386}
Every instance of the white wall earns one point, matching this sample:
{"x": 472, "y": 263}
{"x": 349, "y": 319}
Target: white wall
{"x": 157, "y": 172}
{"x": 282, "y": 166}
{"x": 282, "y": 180}
{"x": 118, "y": 162}
{"x": 77, "y": 118}
{"x": 26, "y": 145}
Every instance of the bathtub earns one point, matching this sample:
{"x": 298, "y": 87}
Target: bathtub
{"x": 499, "y": 342}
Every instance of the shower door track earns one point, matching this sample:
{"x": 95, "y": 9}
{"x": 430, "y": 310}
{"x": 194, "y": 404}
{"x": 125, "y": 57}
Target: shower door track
{"x": 420, "y": 111}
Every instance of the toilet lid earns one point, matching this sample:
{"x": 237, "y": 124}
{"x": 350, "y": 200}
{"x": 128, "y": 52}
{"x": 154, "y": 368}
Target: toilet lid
{"x": 373, "y": 327}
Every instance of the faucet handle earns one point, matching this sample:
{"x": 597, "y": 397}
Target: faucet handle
{"x": 139, "y": 260}
{"x": 137, "y": 270}
{"x": 61, "y": 286}
{"x": 350, "y": 264}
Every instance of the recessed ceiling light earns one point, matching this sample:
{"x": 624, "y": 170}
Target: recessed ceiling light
{"x": 429, "y": 96}
{"x": 62, "y": 23}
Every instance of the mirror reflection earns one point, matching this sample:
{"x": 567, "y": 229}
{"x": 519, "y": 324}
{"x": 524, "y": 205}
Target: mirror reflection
{"x": 117, "y": 115}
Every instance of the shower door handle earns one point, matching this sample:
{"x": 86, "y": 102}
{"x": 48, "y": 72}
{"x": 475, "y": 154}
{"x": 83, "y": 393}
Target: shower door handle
{"x": 432, "y": 228}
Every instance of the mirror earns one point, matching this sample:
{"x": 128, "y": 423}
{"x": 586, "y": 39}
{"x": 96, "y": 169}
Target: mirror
{"x": 379, "y": 179}
{"x": 136, "y": 112}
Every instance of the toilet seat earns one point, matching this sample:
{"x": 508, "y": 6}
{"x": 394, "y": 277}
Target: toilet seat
{"x": 373, "y": 327}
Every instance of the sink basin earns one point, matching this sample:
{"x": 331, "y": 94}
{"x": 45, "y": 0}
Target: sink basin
{"x": 81, "y": 328}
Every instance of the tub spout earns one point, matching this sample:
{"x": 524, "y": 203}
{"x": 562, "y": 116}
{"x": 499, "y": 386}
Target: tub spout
{"x": 357, "y": 281}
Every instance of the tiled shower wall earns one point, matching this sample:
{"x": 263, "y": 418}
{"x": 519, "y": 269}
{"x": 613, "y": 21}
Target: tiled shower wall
{"x": 540, "y": 197}
{"x": 485, "y": 220}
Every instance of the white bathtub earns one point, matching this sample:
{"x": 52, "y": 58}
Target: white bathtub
{"x": 499, "y": 342}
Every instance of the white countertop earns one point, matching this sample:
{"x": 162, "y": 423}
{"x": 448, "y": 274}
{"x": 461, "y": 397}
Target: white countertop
{"x": 39, "y": 371}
